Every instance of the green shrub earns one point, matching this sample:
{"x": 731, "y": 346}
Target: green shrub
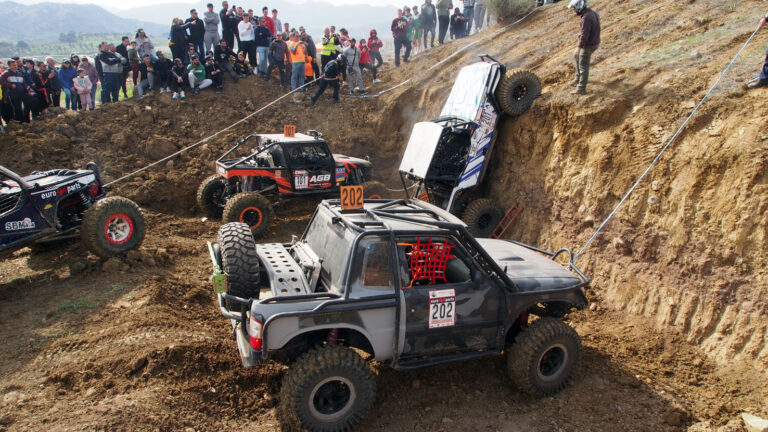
{"x": 510, "y": 8}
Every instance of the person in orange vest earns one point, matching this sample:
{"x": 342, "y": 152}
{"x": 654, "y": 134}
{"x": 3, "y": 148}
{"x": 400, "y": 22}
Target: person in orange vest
{"x": 309, "y": 73}
{"x": 298, "y": 52}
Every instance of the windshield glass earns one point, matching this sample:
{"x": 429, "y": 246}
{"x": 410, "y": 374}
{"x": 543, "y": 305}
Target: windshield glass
{"x": 331, "y": 243}
{"x": 306, "y": 153}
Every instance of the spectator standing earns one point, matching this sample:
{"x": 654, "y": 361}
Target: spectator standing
{"x": 14, "y": 86}
{"x": 329, "y": 42}
{"x": 197, "y": 75}
{"x": 99, "y": 70}
{"x": 178, "y": 41}
{"x": 479, "y": 14}
{"x": 31, "y": 101}
{"x": 458, "y": 24}
{"x": 428, "y": 22}
{"x": 53, "y": 81}
{"x": 163, "y": 67}
{"x": 444, "y": 18}
{"x": 344, "y": 38}
{"x": 414, "y": 25}
{"x": 298, "y": 53}
{"x": 44, "y": 88}
{"x": 400, "y": 34}
{"x": 222, "y": 56}
{"x": 226, "y": 18}
{"x": 82, "y": 85}
{"x": 179, "y": 79}
{"x": 134, "y": 61}
{"x": 196, "y": 30}
{"x": 269, "y": 22}
{"x": 122, "y": 50}
{"x": 261, "y": 37}
{"x": 276, "y": 20}
{"x": 213, "y": 73}
{"x": 112, "y": 65}
{"x": 67, "y": 75}
{"x": 469, "y": 13}
{"x": 211, "y": 21}
{"x": 246, "y": 31}
{"x": 762, "y": 78}
{"x": 374, "y": 45}
{"x": 311, "y": 51}
{"x": 330, "y": 77}
{"x": 589, "y": 41}
{"x": 278, "y": 53}
{"x": 353, "y": 54}
{"x": 146, "y": 76}
{"x": 145, "y": 45}
{"x": 93, "y": 76}
{"x": 365, "y": 60}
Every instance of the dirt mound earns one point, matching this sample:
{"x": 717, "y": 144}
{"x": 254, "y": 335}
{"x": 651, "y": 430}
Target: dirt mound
{"x": 139, "y": 344}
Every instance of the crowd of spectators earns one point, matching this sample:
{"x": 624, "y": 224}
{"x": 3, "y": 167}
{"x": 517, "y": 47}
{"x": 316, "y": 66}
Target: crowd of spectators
{"x": 233, "y": 42}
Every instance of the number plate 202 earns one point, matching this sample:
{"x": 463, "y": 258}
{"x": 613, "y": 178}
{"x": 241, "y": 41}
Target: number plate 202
{"x": 442, "y": 308}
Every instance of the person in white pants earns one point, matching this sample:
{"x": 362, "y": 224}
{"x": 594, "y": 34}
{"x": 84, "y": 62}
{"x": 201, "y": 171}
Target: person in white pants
{"x": 197, "y": 79}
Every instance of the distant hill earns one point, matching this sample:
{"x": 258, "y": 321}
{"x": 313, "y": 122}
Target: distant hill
{"x": 46, "y": 21}
{"x": 314, "y": 16}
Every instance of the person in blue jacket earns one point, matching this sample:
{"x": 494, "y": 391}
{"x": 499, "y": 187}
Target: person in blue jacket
{"x": 66, "y": 75}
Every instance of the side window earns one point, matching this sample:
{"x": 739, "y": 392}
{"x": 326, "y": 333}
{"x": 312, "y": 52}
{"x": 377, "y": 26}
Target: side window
{"x": 427, "y": 261}
{"x": 373, "y": 264}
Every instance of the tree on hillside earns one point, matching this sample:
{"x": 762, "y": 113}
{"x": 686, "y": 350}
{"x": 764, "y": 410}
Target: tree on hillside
{"x": 22, "y": 45}
{"x": 70, "y": 37}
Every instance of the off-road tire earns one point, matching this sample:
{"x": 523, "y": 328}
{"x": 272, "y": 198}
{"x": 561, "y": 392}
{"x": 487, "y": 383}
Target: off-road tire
{"x": 208, "y": 192}
{"x": 251, "y": 208}
{"x": 482, "y": 216}
{"x": 116, "y": 215}
{"x": 375, "y": 190}
{"x": 517, "y": 91}
{"x": 304, "y": 378}
{"x": 239, "y": 261}
{"x": 548, "y": 343}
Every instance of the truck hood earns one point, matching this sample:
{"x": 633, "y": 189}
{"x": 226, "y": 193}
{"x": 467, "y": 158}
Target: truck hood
{"x": 344, "y": 160}
{"x": 528, "y": 269}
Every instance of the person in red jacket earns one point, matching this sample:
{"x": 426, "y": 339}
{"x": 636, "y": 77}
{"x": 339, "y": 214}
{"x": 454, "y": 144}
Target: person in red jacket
{"x": 374, "y": 45}
{"x": 400, "y": 34}
{"x": 366, "y": 62}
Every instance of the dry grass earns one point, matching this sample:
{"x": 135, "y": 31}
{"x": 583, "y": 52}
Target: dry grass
{"x": 510, "y": 8}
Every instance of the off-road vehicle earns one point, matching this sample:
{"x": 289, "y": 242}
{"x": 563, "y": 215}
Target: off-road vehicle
{"x": 406, "y": 284}
{"x": 448, "y": 157}
{"x": 280, "y": 167}
{"x": 49, "y": 206}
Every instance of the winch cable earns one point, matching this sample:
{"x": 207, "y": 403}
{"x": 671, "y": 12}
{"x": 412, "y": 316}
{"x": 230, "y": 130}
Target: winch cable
{"x": 664, "y": 149}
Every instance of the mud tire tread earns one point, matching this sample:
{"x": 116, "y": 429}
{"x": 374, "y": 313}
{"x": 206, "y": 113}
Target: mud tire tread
{"x": 239, "y": 260}
{"x": 91, "y": 229}
{"x": 511, "y": 80}
{"x": 205, "y": 198}
{"x": 241, "y": 201}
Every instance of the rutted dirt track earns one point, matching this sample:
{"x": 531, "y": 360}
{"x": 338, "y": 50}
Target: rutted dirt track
{"x": 675, "y": 339}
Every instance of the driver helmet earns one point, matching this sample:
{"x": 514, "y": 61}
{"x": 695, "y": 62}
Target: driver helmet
{"x": 579, "y": 5}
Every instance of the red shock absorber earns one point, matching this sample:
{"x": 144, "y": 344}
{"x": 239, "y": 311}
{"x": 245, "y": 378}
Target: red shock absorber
{"x": 333, "y": 337}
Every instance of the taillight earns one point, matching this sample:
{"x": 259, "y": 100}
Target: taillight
{"x": 254, "y": 332}
{"x": 93, "y": 190}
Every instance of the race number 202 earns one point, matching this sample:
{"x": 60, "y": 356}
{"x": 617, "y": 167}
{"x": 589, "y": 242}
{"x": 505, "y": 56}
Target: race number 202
{"x": 351, "y": 197}
{"x": 442, "y": 308}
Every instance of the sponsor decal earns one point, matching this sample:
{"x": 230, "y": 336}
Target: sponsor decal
{"x": 322, "y": 178}
{"x": 48, "y": 207}
{"x": 48, "y": 195}
{"x": 19, "y": 225}
{"x": 341, "y": 174}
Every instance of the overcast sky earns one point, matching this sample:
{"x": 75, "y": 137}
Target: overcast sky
{"x": 122, "y": 4}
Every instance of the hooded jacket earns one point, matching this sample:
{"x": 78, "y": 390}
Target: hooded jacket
{"x": 66, "y": 75}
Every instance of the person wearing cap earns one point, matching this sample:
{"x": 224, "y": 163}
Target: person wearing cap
{"x": 146, "y": 76}
{"x": 279, "y": 57}
{"x": 179, "y": 79}
{"x": 330, "y": 78}
{"x": 162, "y": 66}
{"x": 211, "y": 20}
{"x": 197, "y": 75}
{"x": 66, "y": 75}
{"x": 90, "y": 72}
{"x": 134, "y": 61}
{"x": 589, "y": 41}
{"x": 196, "y": 30}
{"x": 213, "y": 73}
{"x": 261, "y": 38}
{"x": 222, "y": 56}
{"x": 246, "y": 31}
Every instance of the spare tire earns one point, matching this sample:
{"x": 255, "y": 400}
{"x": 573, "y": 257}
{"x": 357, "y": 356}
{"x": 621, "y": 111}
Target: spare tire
{"x": 250, "y": 208}
{"x": 482, "y": 216}
{"x": 517, "y": 91}
{"x": 239, "y": 261}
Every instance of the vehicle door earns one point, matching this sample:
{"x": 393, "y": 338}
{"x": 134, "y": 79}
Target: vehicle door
{"x": 20, "y": 219}
{"x": 451, "y": 304}
{"x": 312, "y": 165}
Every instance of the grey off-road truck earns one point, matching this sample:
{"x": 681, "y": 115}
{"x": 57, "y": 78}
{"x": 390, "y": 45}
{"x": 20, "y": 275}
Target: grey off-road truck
{"x": 400, "y": 282}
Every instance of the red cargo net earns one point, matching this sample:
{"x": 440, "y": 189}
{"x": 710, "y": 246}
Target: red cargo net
{"x": 427, "y": 261}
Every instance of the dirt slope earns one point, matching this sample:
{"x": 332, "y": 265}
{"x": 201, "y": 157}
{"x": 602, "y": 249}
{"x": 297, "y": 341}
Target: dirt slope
{"x": 143, "y": 347}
